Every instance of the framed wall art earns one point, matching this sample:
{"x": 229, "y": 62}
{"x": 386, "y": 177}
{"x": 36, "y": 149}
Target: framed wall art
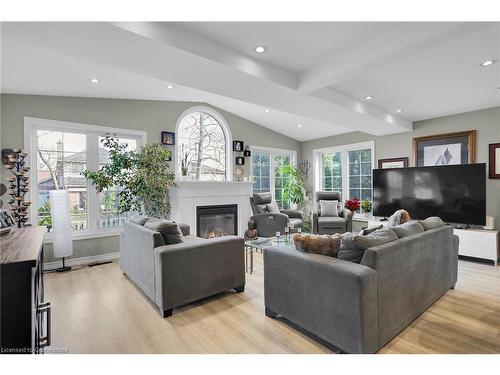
{"x": 393, "y": 163}
{"x": 445, "y": 149}
{"x": 168, "y": 138}
{"x": 494, "y": 161}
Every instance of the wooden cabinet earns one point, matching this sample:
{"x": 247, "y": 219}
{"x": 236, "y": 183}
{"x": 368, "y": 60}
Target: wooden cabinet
{"x": 24, "y": 316}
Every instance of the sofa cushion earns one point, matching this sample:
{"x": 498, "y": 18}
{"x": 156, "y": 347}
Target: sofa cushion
{"x": 169, "y": 230}
{"x": 139, "y": 219}
{"x": 407, "y": 229}
{"x": 366, "y": 231}
{"x": 353, "y": 245}
{"x": 297, "y": 223}
{"x": 318, "y": 244}
{"x": 329, "y": 208}
{"x": 262, "y": 198}
{"x": 432, "y": 222}
{"x": 272, "y": 207}
{"x": 332, "y": 222}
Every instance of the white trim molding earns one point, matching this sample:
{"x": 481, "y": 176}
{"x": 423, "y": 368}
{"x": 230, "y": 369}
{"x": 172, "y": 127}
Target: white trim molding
{"x": 81, "y": 261}
{"x": 225, "y": 128}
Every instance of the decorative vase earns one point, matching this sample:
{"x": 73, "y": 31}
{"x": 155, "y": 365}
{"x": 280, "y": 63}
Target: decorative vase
{"x": 18, "y": 184}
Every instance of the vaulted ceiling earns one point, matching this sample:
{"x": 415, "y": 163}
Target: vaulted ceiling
{"x": 317, "y": 75}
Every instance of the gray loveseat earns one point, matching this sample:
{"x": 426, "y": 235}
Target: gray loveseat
{"x": 359, "y": 308}
{"x": 268, "y": 219}
{"x": 174, "y": 275}
{"x": 322, "y": 224}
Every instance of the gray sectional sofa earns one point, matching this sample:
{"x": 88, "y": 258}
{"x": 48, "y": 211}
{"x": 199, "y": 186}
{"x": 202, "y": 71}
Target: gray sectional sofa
{"x": 177, "y": 274}
{"x": 360, "y": 307}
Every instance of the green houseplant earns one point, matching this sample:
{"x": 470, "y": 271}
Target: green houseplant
{"x": 294, "y": 191}
{"x": 142, "y": 178}
{"x": 366, "y": 206}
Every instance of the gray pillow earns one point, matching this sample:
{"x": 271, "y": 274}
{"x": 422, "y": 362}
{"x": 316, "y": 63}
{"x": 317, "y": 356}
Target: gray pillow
{"x": 432, "y": 222}
{"x": 407, "y": 229}
{"x": 273, "y": 207}
{"x": 353, "y": 245}
{"x": 329, "y": 208}
{"x": 169, "y": 230}
{"x": 366, "y": 231}
{"x": 139, "y": 219}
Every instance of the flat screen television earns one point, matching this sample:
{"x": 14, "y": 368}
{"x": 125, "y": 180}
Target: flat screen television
{"x": 455, "y": 193}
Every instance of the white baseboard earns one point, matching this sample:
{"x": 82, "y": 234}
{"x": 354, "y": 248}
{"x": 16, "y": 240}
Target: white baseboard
{"x": 82, "y": 260}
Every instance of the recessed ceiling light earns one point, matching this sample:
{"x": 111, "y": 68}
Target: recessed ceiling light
{"x": 369, "y": 97}
{"x": 488, "y": 62}
{"x": 170, "y": 87}
{"x": 299, "y": 125}
{"x": 399, "y": 110}
{"x": 260, "y": 49}
{"x": 266, "y": 110}
{"x": 95, "y": 80}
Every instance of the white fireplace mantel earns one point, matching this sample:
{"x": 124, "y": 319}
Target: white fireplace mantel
{"x": 191, "y": 194}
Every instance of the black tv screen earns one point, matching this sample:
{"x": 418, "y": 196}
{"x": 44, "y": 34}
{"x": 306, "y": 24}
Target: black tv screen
{"x": 455, "y": 193}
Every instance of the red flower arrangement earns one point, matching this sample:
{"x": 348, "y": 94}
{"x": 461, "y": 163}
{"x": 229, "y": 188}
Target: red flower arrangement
{"x": 352, "y": 204}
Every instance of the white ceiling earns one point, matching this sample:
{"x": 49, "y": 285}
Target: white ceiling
{"x": 315, "y": 74}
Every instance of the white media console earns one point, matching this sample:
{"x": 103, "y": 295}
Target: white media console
{"x": 476, "y": 243}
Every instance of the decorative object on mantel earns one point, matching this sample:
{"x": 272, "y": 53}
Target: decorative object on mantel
{"x": 6, "y": 221}
{"x": 445, "y": 149}
{"x": 401, "y": 162}
{"x": 240, "y": 160}
{"x": 238, "y": 173}
{"x": 494, "y": 161}
{"x": 18, "y": 184}
{"x": 304, "y": 167}
{"x": 251, "y": 233}
{"x": 142, "y": 176}
{"x": 238, "y": 146}
{"x": 247, "y": 153}
{"x": 168, "y": 138}
{"x": 61, "y": 226}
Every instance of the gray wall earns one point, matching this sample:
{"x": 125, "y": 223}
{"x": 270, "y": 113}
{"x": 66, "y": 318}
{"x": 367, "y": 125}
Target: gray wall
{"x": 486, "y": 122}
{"x": 147, "y": 115}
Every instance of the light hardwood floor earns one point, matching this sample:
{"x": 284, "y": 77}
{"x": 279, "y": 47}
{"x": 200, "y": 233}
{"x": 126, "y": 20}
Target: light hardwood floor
{"x": 98, "y": 310}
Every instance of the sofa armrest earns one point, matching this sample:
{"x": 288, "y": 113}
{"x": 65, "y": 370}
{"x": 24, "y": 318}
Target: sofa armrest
{"x": 314, "y": 222}
{"x": 267, "y": 224}
{"x": 347, "y": 215}
{"x": 334, "y": 299}
{"x": 185, "y": 229}
{"x": 294, "y": 214}
{"x": 191, "y": 270}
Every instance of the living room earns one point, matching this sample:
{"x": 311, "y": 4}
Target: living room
{"x": 250, "y": 187}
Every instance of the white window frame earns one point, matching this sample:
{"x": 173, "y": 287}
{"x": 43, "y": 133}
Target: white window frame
{"x": 272, "y": 151}
{"x": 227, "y": 133}
{"x": 344, "y": 152}
{"x": 92, "y": 132}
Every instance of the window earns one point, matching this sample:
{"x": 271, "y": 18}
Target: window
{"x": 347, "y": 169}
{"x": 203, "y": 140}
{"x": 59, "y": 151}
{"x": 266, "y": 172}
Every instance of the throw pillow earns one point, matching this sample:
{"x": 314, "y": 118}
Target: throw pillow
{"x": 318, "y": 244}
{"x": 353, "y": 245}
{"x": 169, "y": 230}
{"x": 366, "y": 231}
{"x": 407, "y": 229}
{"x": 139, "y": 219}
{"x": 273, "y": 207}
{"x": 432, "y": 222}
{"x": 329, "y": 208}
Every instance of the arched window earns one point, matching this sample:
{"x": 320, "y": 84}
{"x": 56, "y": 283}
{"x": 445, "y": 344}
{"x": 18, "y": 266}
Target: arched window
{"x": 203, "y": 140}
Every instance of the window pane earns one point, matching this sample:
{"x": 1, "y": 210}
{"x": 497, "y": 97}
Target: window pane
{"x": 366, "y": 182}
{"x": 354, "y": 156}
{"x": 354, "y": 169}
{"x": 354, "y": 182}
{"x": 337, "y": 183}
{"x": 202, "y": 139}
{"x": 366, "y": 155}
{"x": 327, "y": 184}
{"x": 354, "y": 193}
{"x": 265, "y": 186}
{"x": 366, "y": 194}
{"x": 366, "y": 169}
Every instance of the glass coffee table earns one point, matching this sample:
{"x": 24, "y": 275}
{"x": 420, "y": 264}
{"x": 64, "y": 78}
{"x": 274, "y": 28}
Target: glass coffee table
{"x": 258, "y": 246}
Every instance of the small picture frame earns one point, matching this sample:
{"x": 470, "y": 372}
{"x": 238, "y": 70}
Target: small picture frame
{"x": 494, "y": 160}
{"x": 247, "y": 153}
{"x": 168, "y": 138}
{"x": 240, "y": 160}
{"x": 238, "y": 146}
{"x": 393, "y": 163}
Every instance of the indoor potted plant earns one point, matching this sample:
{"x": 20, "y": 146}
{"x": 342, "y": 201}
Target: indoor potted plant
{"x": 184, "y": 164}
{"x": 366, "y": 207}
{"x": 294, "y": 191}
{"x": 352, "y": 204}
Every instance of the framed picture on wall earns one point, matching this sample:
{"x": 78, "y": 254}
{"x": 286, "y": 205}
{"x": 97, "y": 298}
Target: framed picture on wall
{"x": 168, "y": 138}
{"x": 238, "y": 146}
{"x": 393, "y": 163}
{"x": 240, "y": 160}
{"x": 445, "y": 149}
{"x": 494, "y": 160}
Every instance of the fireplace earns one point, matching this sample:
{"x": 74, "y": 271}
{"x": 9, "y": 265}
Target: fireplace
{"x": 216, "y": 220}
